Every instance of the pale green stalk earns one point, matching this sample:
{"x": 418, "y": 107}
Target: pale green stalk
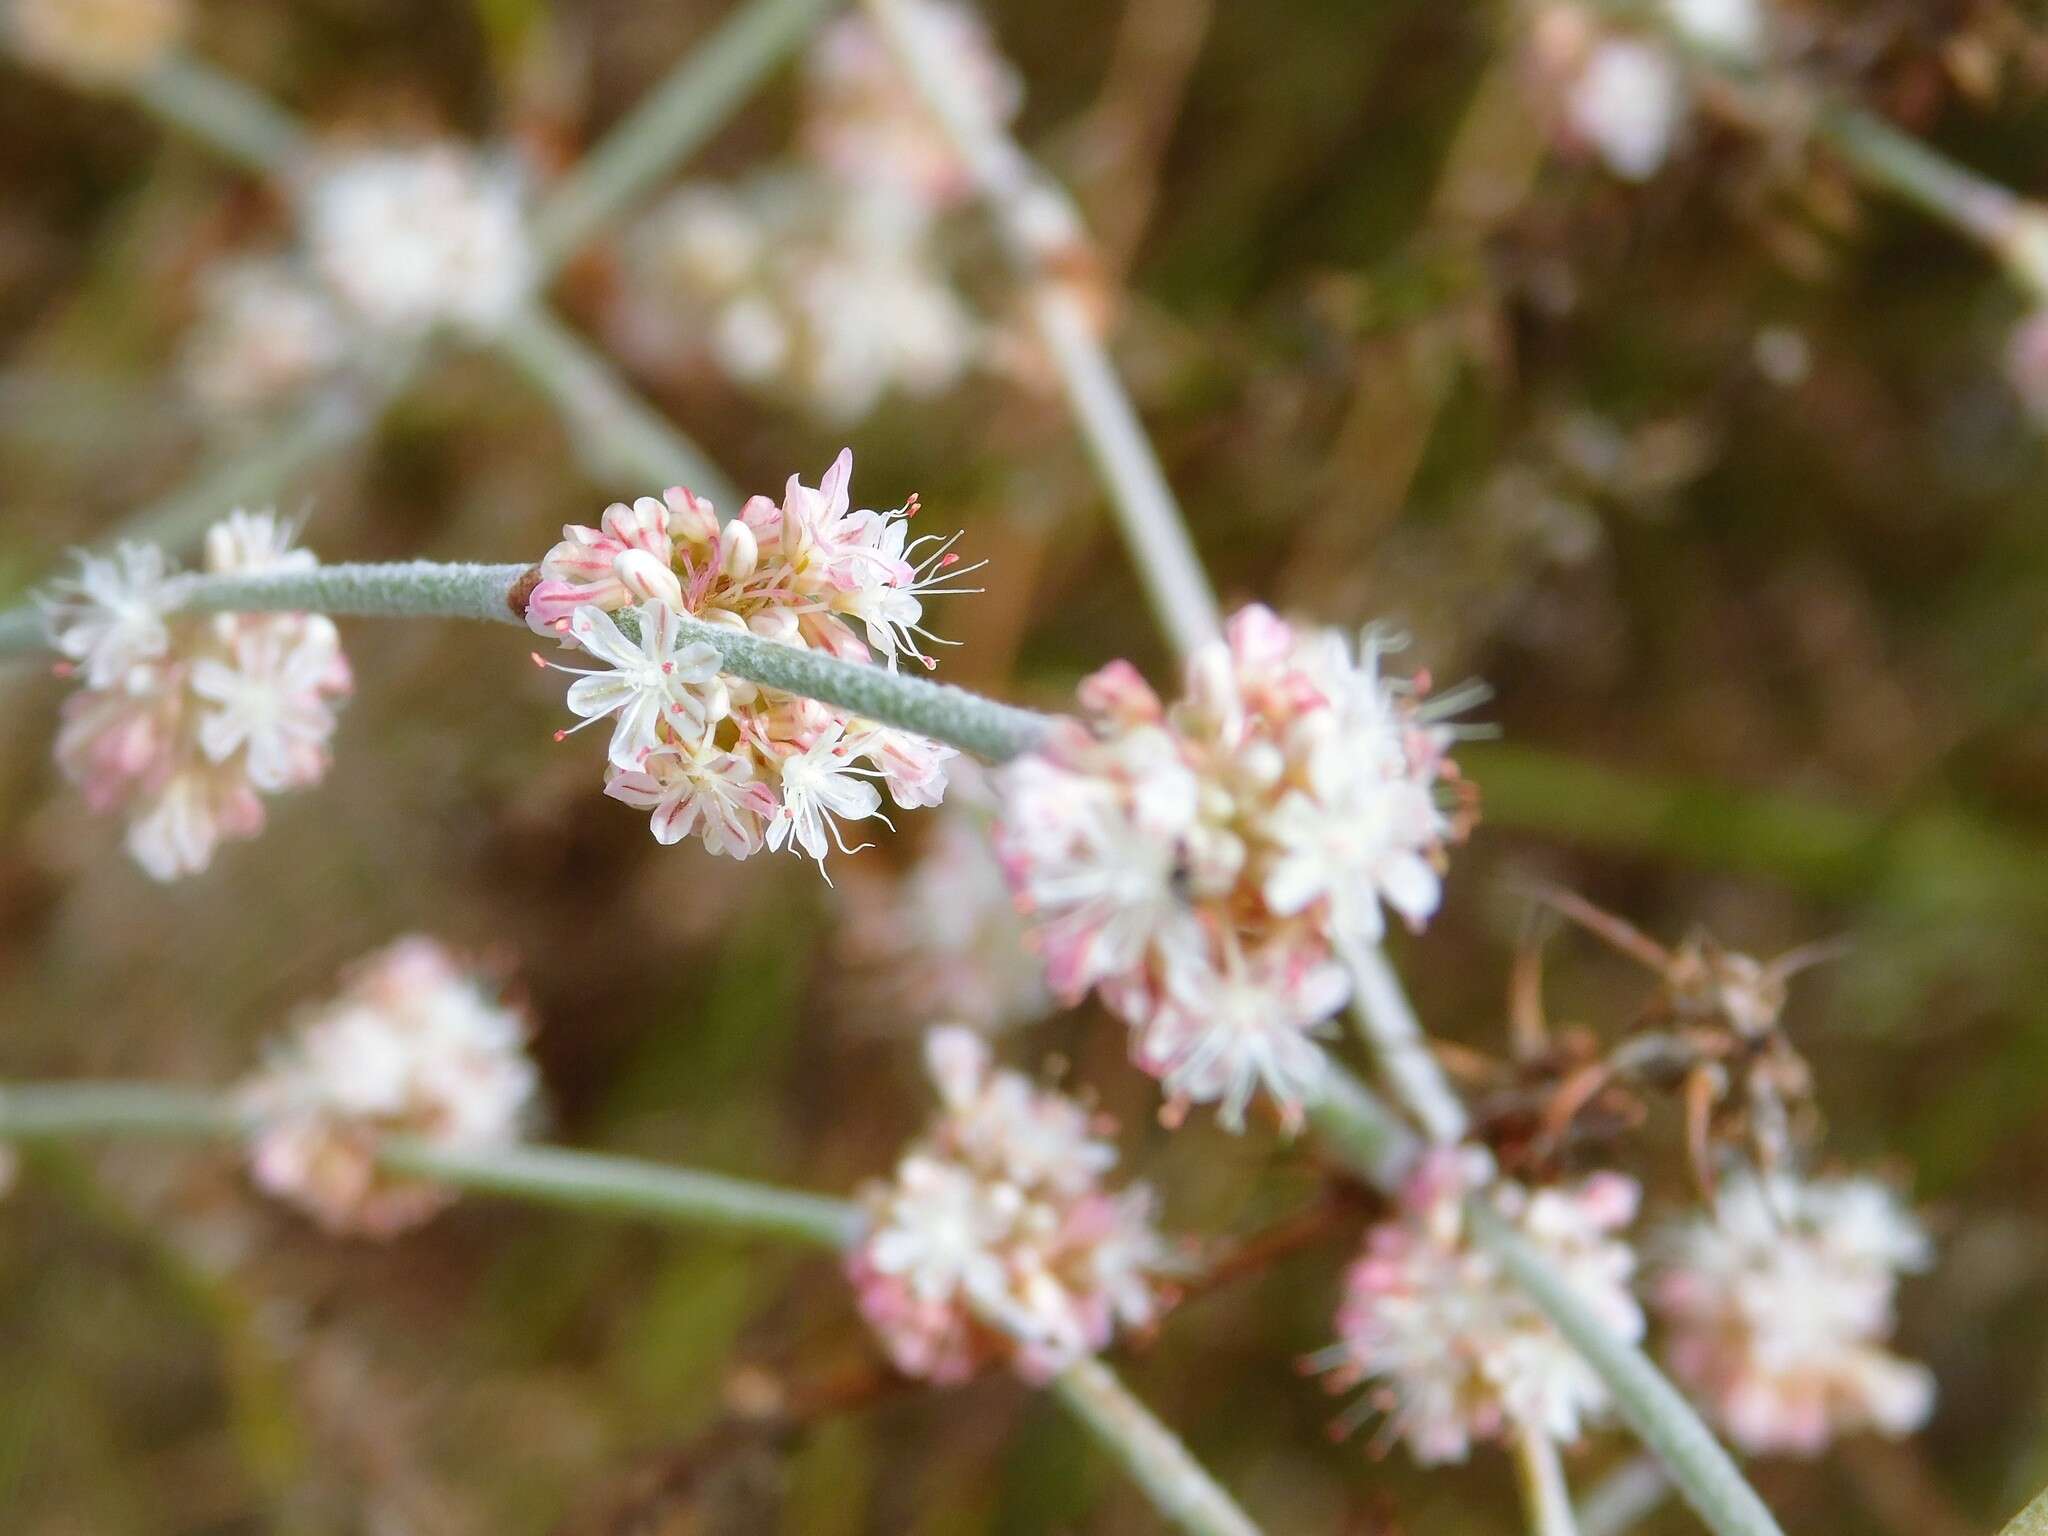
{"x": 1042, "y": 236}
{"x": 671, "y": 121}
{"x": 219, "y": 110}
{"x": 621, "y": 438}
{"x": 1158, "y": 1462}
{"x": 1624, "y": 1498}
{"x": 2031, "y": 1521}
{"x": 1540, "y": 1474}
{"x": 1387, "y": 1023}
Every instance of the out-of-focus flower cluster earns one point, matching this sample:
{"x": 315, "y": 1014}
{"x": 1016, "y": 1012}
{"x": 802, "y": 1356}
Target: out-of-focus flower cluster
{"x": 825, "y": 280}
{"x": 1622, "y": 94}
{"x": 394, "y": 243}
{"x": 94, "y": 42}
{"x": 739, "y": 765}
{"x": 413, "y": 1045}
{"x": 1777, "y": 1306}
{"x": 1207, "y": 867}
{"x": 1450, "y": 1348}
{"x": 184, "y": 723}
{"x": 996, "y": 1239}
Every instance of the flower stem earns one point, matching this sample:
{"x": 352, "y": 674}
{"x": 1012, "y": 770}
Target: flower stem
{"x": 1541, "y": 1474}
{"x": 1044, "y": 241}
{"x": 221, "y": 111}
{"x": 2031, "y": 1521}
{"x": 671, "y": 121}
{"x": 622, "y": 439}
{"x": 1367, "y": 1136}
{"x": 1386, "y": 1021}
{"x": 1702, "y": 1471}
{"x": 1624, "y": 1497}
{"x": 1178, "y": 1485}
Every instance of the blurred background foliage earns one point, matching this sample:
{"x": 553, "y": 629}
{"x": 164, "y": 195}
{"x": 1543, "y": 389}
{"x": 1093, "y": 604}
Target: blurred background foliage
{"x": 1716, "y": 481}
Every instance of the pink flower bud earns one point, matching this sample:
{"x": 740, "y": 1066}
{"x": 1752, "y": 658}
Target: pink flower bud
{"x": 648, "y": 579}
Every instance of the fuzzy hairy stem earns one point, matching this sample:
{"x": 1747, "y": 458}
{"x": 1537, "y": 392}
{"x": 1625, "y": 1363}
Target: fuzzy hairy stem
{"x": 1364, "y": 1132}
{"x": 1539, "y": 1472}
{"x": 1044, "y": 242}
{"x": 1387, "y": 1023}
{"x": 1703, "y": 1472}
{"x": 1179, "y": 1487}
{"x": 220, "y": 111}
{"x": 621, "y": 438}
{"x": 690, "y": 104}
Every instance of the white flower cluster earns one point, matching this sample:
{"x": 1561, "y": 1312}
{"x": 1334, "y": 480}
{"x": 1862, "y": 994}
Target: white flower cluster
{"x": 266, "y": 332}
{"x": 1777, "y": 1306}
{"x": 1208, "y": 867}
{"x": 996, "y": 1239}
{"x": 413, "y": 1045}
{"x": 185, "y": 723}
{"x": 825, "y": 281}
{"x": 740, "y": 765}
{"x": 1451, "y": 1349}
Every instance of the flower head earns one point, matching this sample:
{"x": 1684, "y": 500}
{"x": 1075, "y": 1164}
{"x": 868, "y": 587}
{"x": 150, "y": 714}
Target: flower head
{"x": 1628, "y": 103}
{"x": 995, "y": 1238}
{"x": 265, "y": 334}
{"x": 412, "y": 1045}
{"x": 185, "y": 722}
{"x": 1207, "y": 867}
{"x": 743, "y": 766}
{"x": 1778, "y": 1305}
{"x": 1451, "y": 1349}
{"x": 412, "y": 239}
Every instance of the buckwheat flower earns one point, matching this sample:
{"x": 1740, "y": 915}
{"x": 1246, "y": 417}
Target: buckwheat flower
{"x": 184, "y": 722}
{"x": 1448, "y": 1347}
{"x": 1778, "y": 1305}
{"x": 412, "y": 239}
{"x": 743, "y": 766}
{"x": 1732, "y": 29}
{"x": 112, "y": 617}
{"x": 94, "y": 42}
{"x": 412, "y": 1045}
{"x": 265, "y": 334}
{"x": 995, "y": 1239}
{"x": 864, "y": 123}
{"x": 1211, "y": 867}
{"x": 1628, "y": 103}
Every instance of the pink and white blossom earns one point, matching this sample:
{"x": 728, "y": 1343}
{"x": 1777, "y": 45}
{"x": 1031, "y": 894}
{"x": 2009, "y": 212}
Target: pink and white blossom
{"x": 1449, "y": 1348}
{"x": 1778, "y": 1306}
{"x": 412, "y": 1045}
{"x": 184, "y": 722}
{"x": 1206, "y": 867}
{"x": 995, "y": 1238}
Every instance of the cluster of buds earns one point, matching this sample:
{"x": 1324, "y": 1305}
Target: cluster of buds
{"x": 1777, "y": 1306}
{"x": 825, "y": 281}
{"x": 1451, "y": 1349}
{"x": 996, "y": 1241}
{"x": 1623, "y": 95}
{"x": 185, "y": 722}
{"x": 95, "y": 43}
{"x": 414, "y": 1046}
{"x": 1209, "y": 868}
{"x": 741, "y": 765}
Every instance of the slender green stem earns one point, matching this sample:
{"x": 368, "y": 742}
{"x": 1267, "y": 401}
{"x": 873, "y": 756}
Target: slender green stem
{"x": 669, "y": 124}
{"x": 1043, "y": 239}
{"x": 1624, "y": 1497}
{"x": 1387, "y": 1023}
{"x": 2031, "y": 1521}
{"x": 1540, "y": 1473}
{"x": 221, "y": 111}
{"x": 495, "y": 594}
{"x": 1702, "y": 1471}
{"x": 1364, "y": 1132}
{"x": 1178, "y": 1485}
{"x": 622, "y": 439}
{"x": 65, "y": 1111}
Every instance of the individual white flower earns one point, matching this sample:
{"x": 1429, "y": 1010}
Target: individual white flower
{"x": 1628, "y": 103}
{"x": 1452, "y": 1347}
{"x": 995, "y": 1238}
{"x": 658, "y": 680}
{"x": 822, "y": 786}
{"x": 705, "y": 793}
{"x": 1778, "y": 1306}
{"x": 110, "y": 618}
{"x": 411, "y": 1046}
{"x": 417, "y": 238}
{"x": 270, "y": 703}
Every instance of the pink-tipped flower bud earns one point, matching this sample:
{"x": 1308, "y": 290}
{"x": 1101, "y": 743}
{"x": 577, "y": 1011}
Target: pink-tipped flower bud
{"x": 691, "y": 517}
{"x": 739, "y": 552}
{"x": 648, "y": 579}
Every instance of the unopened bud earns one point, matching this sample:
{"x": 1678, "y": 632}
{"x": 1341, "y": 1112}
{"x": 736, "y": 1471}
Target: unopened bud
{"x": 648, "y": 579}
